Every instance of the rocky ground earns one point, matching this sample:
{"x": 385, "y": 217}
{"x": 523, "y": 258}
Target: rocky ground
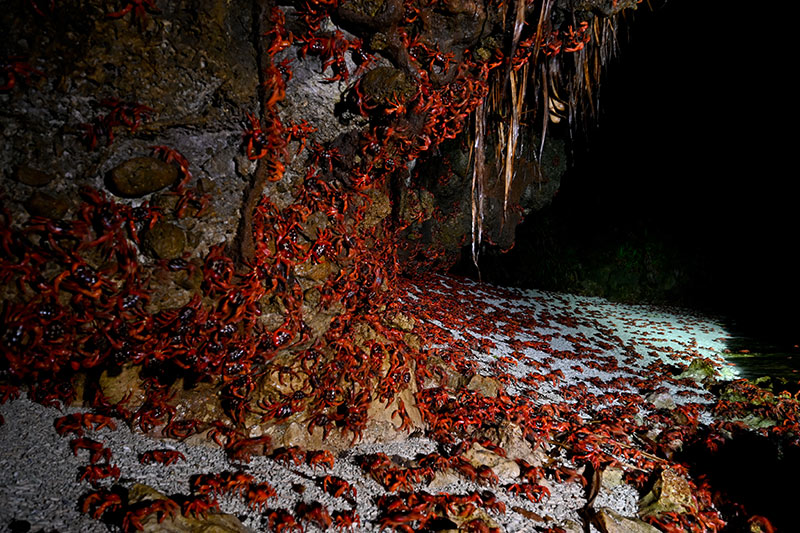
{"x": 599, "y": 401}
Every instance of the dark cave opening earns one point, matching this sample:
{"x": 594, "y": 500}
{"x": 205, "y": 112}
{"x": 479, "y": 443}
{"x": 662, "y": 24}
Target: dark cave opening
{"x": 677, "y": 195}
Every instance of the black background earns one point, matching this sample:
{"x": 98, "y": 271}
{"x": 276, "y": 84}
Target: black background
{"x": 693, "y": 143}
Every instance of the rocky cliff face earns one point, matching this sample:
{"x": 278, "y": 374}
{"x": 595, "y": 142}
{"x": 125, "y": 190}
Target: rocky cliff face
{"x": 217, "y": 194}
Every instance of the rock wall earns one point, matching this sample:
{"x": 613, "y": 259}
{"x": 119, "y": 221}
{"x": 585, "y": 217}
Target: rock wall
{"x": 217, "y": 197}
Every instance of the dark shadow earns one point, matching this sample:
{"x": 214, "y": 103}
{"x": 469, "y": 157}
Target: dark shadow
{"x": 750, "y": 475}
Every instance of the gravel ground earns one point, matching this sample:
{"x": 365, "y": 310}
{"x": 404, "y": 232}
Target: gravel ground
{"x": 40, "y": 486}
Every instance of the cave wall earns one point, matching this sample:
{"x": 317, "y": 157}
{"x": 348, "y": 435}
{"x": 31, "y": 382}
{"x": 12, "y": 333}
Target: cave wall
{"x": 215, "y": 195}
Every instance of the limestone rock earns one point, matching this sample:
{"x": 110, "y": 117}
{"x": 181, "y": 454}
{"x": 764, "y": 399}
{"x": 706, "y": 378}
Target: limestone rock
{"x": 489, "y": 387}
{"x": 197, "y": 402}
{"x": 296, "y": 434}
{"x": 416, "y": 205}
{"x": 33, "y": 177}
{"x": 700, "y": 370}
{"x": 609, "y": 521}
{"x": 505, "y": 469}
{"x": 316, "y": 271}
{"x": 570, "y": 526}
{"x": 41, "y": 204}
{"x": 379, "y": 208}
{"x": 611, "y": 477}
{"x": 177, "y": 523}
{"x": 412, "y": 341}
{"x": 190, "y": 279}
{"x": 443, "y": 478}
{"x": 116, "y": 386}
{"x": 142, "y": 175}
{"x": 511, "y": 438}
{"x": 401, "y": 321}
{"x": 168, "y": 295}
{"x": 661, "y": 400}
{"x": 474, "y": 521}
{"x": 387, "y": 85}
{"x": 373, "y": 14}
{"x": 384, "y": 426}
{"x": 165, "y": 241}
{"x": 670, "y": 493}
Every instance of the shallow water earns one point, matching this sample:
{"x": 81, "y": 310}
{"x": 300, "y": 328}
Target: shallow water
{"x": 757, "y": 357}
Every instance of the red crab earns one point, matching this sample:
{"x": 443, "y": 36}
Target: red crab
{"x": 140, "y": 9}
{"x": 320, "y": 457}
{"x": 101, "y": 500}
{"x": 336, "y": 487}
{"x": 258, "y": 494}
{"x": 165, "y": 457}
{"x": 345, "y": 520}
{"x": 13, "y": 67}
{"x": 256, "y": 138}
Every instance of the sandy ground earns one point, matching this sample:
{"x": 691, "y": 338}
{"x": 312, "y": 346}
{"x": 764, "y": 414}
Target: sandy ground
{"x": 520, "y": 332}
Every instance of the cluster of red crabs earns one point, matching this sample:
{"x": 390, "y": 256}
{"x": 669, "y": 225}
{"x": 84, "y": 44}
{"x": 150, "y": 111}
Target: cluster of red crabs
{"x": 82, "y": 294}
